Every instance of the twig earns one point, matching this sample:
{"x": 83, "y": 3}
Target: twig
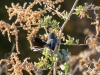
{"x": 56, "y": 11}
{"x": 13, "y": 47}
{"x": 74, "y": 44}
{"x": 67, "y": 19}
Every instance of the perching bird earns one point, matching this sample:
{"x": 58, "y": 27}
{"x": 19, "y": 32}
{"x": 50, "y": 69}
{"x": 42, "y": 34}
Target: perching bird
{"x": 39, "y": 44}
{"x": 52, "y": 41}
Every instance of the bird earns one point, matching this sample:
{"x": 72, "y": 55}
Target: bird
{"x": 39, "y": 44}
{"x": 52, "y": 41}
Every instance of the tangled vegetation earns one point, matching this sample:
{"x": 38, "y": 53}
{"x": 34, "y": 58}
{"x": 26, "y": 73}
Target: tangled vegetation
{"x": 58, "y": 60}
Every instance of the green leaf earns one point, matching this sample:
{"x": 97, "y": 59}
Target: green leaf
{"x": 59, "y": 54}
{"x": 64, "y": 51}
{"x": 65, "y": 58}
{"x": 56, "y": 30}
{"x": 67, "y": 67}
{"x": 77, "y": 41}
{"x": 51, "y": 59}
{"x": 78, "y": 9}
{"x": 68, "y": 42}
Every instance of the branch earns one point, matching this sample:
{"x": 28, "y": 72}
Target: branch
{"x": 67, "y": 19}
{"x": 56, "y": 11}
{"x": 74, "y": 44}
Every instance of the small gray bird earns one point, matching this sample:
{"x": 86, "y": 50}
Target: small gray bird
{"x": 52, "y": 41}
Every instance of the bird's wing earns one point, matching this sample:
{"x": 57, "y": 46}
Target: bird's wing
{"x": 53, "y": 44}
{"x": 49, "y": 43}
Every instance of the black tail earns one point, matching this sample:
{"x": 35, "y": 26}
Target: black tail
{"x": 38, "y": 44}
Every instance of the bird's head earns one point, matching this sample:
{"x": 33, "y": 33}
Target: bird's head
{"x": 52, "y": 36}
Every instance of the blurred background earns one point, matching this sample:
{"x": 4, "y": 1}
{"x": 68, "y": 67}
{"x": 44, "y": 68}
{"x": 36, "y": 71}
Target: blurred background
{"x": 76, "y": 28}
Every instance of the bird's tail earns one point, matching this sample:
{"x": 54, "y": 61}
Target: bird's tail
{"x": 37, "y": 49}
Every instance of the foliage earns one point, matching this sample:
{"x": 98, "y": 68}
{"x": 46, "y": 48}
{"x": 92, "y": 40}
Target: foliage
{"x": 32, "y": 21}
{"x": 71, "y": 40}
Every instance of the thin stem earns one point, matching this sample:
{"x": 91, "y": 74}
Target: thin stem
{"x": 67, "y": 19}
{"x": 56, "y": 11}
{"x": 74, "y": 44}
{"x": 54, "y": 69}
{"x": 65, "y": 73}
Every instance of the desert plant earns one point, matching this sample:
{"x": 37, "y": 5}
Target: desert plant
{"x": 32, "y": 21}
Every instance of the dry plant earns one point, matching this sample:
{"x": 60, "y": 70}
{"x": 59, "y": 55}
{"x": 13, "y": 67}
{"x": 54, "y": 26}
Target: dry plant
{"x": 33, "y": 20}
